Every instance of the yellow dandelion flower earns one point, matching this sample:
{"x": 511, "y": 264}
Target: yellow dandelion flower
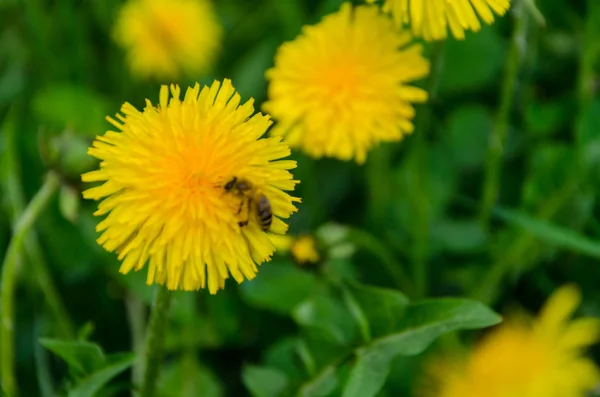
{"x": 341, "y": 86}
{"x": 304, "y": 250}
{"x": 166, "y": 176}
{"x": 431, "y": 19}
{"x": 539, "y": 358}
{"x": 168, "y": 38}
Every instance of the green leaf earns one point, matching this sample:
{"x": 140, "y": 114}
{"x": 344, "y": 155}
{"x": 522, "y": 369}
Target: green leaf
{"x": 473, "y": 63}
{"x": 421, "y": 325}
{"x": 368, "y": 374}
{"x": 545, "y": 118}
{"x": 381, "y": 307}
{"x": 459, "y": 236}
{"x": 82, "y": 357}
{"x": 327, "y": 315}
{"x": 72, "y": 106}
{"x": 469, "y": 127}
{"x": 90, "y": 385}
{"x": 283, "y": 354}
{"x": 426, "y": 320}
{"x": 322, "y": 385}
{"x": 264, "y": 381}
{"x": 280, "y": 287}
{"x": 187, "y": 377}
{"x": 551, "y": 233}
{"x": 547, "y": 172}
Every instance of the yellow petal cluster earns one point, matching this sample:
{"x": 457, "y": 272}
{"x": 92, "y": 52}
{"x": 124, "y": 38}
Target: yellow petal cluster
{"x": 539, "y": 358}
{"x": 168, "y": 39}
{"x": 342, "y": 86}
{"x": 163, "y": 175}
{"x": 431, "y": 19}
{"x": 304, "y": 250}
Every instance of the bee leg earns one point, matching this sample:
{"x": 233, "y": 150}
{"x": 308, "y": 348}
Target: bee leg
{"x": 241, "y": 206}
{"x": 245, "y": 222}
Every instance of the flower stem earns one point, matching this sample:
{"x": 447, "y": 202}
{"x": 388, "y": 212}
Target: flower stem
{"x": 137, "y": 322}
{"x": 33, "y": 251}
{"x": 515, "y": 57}
{"x": 9, "y": 277}
{"x": 487, "y": 290}
{"x": 155, "y": 338}
{"x": 421, "y": 166}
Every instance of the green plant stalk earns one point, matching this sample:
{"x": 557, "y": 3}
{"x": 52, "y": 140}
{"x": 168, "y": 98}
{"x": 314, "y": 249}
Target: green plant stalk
{"x": 137, "y": 323}
{"x": 155, "y": 340}
{"x": 369, "y": 242}
{"x": 487, "y": 290}
{"x": 421, "y": 165}
{"x": 497, "y": 140}
{"x": 9, "y": 278}
{"x": 32, "y": 247}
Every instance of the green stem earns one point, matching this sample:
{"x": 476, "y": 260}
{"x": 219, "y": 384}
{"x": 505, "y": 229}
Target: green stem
{"x": 497, "y": 140}
{"x": 137, "y": 322}
{"x": 32, "y": 247}
{"x": 369, "y": 242}
{"x": 155, "y": 339}
{"x": 421, "y": 171}
{"x": 488, "y": 288}
{"x": 9, "y": 277}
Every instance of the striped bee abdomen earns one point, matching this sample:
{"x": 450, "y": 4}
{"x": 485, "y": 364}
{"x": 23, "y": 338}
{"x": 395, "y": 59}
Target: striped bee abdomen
{"x": 265, "y": 215}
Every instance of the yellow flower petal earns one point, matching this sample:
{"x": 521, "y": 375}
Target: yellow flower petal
{"x": 431, "y": 19}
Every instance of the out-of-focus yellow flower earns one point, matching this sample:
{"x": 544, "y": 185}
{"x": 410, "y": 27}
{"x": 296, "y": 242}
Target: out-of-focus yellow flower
{"x": 304, "y": 250}
{"x": 164, "y": 175}
{"x": 168, "y": 38}
{"x": 341, "y": 87}
{"x": 524, "y": 358}
{"x": 431, "y": 19}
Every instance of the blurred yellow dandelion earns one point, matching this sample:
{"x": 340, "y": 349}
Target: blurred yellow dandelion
{"x": 304, "y": 250}
{"x": 540, "y": 358}
{"x": 168, "y": 38}
{"x": 341, "y": 86}
{"x": 164, "y": 178}
{"x": 431, "y": 19}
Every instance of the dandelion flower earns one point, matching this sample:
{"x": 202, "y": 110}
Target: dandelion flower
{"x": 341, "y": 87}
{"x": 168, "y": 38}
{"x": 304, "y": 250}
{"x": 164, "y": 176}
{"x": 539, "y": 358}
{"x": 430, "y": 19}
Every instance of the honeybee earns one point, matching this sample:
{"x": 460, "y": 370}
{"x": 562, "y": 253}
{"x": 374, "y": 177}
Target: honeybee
{"x": 254, "y": 201}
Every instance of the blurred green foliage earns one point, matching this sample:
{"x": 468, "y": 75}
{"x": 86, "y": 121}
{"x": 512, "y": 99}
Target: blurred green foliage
{"x": 356, "y": 323}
